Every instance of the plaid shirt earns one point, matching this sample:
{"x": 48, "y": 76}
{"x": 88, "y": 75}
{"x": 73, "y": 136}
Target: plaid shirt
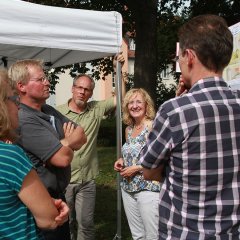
{"x": 197, "y": 136}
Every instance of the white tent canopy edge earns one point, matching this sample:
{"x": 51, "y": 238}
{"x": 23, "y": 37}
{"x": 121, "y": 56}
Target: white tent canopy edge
{"x": 59, "y": 36}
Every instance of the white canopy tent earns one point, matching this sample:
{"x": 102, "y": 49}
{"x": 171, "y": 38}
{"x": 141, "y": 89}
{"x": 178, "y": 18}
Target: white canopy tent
{"x": 61, "y": 36}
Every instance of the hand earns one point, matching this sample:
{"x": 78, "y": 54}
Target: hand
{"x": 119, "y": 165}
{"x": 63, "y": 211}
{"x": 74, "y": 137}
{"x": 68, "y": 128}
{"x": 181, "y": 88}
{"x": 130, "y": 171}
{"x": 118, "y": 58}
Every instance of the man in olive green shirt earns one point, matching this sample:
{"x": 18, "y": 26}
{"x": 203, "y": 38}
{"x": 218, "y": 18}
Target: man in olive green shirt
{"x": 81, "y": 192}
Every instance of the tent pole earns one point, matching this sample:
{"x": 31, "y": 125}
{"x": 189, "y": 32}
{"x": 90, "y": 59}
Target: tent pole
{"x": 118, "y": 84}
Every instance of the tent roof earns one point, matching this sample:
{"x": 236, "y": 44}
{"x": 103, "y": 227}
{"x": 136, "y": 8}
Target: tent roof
{"x": 60, "y": 36}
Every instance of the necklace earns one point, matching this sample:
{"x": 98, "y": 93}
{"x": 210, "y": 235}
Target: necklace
{"x": 138, "y": 127}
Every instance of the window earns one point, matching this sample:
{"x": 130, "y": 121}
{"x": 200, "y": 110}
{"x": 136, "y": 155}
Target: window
{"x": 165, "y": 74}
{"x": 131, "y": 44}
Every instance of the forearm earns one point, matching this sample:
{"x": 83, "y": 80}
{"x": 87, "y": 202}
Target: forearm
{"x": 154, "y": 174}
{"x": 124, "y": 80}
{"x": 63, "y": 157}
{"x": 35, "y": 196}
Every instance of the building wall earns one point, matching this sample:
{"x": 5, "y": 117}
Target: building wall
{"x": 103, "y": 88}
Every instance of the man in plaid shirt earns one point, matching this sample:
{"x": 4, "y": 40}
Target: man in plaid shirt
{"x": 197, "y": 137}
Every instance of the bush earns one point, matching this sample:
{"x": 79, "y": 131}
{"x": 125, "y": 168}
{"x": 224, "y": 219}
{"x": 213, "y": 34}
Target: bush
{"x": 107, "y": 136}
{"x": 107, "y": 133}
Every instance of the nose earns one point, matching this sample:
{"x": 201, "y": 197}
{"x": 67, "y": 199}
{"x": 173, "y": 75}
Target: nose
{"x": 82, "y": 90}
{"x": 46, "y": 82}
{"x": 135, "y": 104}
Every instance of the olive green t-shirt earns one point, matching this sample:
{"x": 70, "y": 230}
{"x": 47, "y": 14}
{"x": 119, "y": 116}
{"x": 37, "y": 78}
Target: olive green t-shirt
{"x": 84, "y": 166}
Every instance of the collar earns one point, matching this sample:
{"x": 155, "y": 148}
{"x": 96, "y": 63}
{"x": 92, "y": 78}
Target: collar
{"x": 67, "y": 110}
{"x": 40, "y": 114}
{"x": 208, "y": 82}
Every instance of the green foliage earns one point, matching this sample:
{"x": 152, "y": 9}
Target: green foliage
{"x": 103, "y": 66}
{"x": 229, "y": 9}
{"x": 107, "y": 132}
{"x": 167, "y": 39}
{"x": 169, "y": 19}
{"x": 164, "y": 93}
{"x": 53, "y": 77}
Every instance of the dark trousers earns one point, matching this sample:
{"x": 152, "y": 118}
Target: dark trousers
{"x": 60, "y": 233}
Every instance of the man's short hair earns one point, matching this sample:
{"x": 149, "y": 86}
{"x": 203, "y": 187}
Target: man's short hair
{"x": 209, "y": 36}
{"x": 18, "y": 71}
{"x": 84, "y": 75}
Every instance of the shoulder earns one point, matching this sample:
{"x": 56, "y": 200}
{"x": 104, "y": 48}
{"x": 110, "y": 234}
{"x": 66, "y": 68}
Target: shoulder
{"x": 127, "y": 130}
{"x": 104, "y": 105}
{"x": 101, "y": 102}
{"x": 25, "y": 112}
{"x": 14, "y": 153}
{"x": 93, "y": 104}
{"x": 62, "y": 108}
{"x": 175, "y": 105}
{"x": 148, "y": 124}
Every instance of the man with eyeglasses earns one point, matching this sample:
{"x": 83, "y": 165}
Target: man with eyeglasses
{"x": 48, "y": 137}
{"x": 81, "y": 192}
{"x": 197, "y": 136}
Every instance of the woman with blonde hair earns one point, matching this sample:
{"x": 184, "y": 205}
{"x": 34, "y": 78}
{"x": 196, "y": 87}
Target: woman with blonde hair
{"x": 25, "y": 204}
{"x": 140, "y": 197}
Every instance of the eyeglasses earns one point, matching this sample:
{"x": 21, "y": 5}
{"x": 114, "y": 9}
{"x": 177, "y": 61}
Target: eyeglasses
{"x": 135, "y": 102}
{"x": 176, "y": 59}
{"x": 80, "y": 88}
{"x": 15, "y": 99}
{"x": 41, "y": 79}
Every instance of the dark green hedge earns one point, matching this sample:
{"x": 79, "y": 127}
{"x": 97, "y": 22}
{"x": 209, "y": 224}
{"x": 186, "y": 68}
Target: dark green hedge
{"x": 107, "y": 136}
{"x": 107, "y": 133}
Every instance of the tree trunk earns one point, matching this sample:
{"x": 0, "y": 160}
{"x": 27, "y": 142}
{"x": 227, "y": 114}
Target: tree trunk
{"x": 145, "y": 68}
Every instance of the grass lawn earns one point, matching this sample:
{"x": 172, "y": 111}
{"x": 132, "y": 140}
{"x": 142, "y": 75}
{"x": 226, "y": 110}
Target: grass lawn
{"x": 106, "y": 200}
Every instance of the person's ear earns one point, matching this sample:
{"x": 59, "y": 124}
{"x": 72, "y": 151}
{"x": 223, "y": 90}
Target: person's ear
{"x": 21, "y": 87}
{"x": 91, "y": 94}
{"x": 191, "y": 57}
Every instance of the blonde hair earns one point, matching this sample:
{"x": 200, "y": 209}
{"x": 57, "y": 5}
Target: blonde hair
{"x": 150, "y": 111}
{"x": 18, "y": 71}
{"x": 5, "y": 123}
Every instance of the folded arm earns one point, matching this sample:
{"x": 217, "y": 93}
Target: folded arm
{"x": 35, "y": 196}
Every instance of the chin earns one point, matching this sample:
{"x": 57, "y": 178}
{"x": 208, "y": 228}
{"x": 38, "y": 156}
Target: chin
{"x": 80, "y": 103}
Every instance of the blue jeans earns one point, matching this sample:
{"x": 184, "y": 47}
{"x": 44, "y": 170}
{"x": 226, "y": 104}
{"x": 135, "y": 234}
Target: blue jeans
{"x": 141, "y": 209}
{"x": 81, "y": 201}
